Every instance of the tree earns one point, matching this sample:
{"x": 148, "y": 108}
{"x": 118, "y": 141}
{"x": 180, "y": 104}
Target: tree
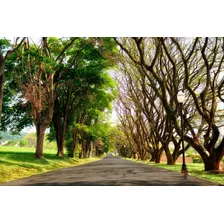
{"x": 192, "y": 64}
{"x": 41, "y": 69}
{"x": 143, "y": 116}
{"x": 80, "y": 83}
{"x": 88, "y": 116}
{"x": 6, "y": 49}
{"x": 40, "y": 74}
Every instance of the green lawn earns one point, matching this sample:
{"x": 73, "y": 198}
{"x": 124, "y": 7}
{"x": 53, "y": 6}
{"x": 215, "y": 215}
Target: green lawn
{"x": 194, "y": 169}
{"x": 19, "y": 162}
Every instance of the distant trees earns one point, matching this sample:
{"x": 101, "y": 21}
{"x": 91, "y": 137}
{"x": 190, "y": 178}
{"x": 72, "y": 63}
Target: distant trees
{"x": 7, "y": 136}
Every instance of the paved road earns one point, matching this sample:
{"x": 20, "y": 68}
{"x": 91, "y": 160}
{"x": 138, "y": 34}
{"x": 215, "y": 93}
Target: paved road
{"x": 110, "y": 171}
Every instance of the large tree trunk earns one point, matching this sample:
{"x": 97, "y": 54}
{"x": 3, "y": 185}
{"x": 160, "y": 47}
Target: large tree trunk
{"x": 40, "y": 141}
{"x": 41, "y": 127}
{"x": 211, "y": 164}
{"x": 57, "y": 127}
{"x": 170, "y": 159}
{"x": 143, "y": 155}
{"x": 212, "y": 161}
{"x": 216, "y": 154}
{"x": 158, "y": 154}
{"x": 60, "y": 151}
{"x": 60, "y": 143}
{"x": 177, "y": 148}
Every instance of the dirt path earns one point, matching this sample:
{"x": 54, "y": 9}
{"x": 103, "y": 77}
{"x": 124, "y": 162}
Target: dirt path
{"x": 111, "y": 171}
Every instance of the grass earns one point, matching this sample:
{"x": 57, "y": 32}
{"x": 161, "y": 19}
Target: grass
{"x": 19, "y": 162}
{"x": 194, "y": 169}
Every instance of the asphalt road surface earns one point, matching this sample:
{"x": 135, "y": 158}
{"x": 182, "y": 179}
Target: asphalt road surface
{"x": 111, "y": 171}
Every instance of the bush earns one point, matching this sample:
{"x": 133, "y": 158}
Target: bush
{"x": 23, "y": 143}
{"x": 196, "y": 158}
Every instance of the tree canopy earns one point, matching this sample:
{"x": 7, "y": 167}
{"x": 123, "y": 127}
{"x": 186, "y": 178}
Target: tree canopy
{"x": 57, "y": 82}
{"x": 67, "y": 84}
{"x": 153, "y": 71}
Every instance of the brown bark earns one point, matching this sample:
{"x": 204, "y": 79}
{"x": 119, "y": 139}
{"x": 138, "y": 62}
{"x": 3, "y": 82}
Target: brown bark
{"x": 143, "y": 157}
{"x": 60, "y": 132}
{"x": 213, "y": 158}
{"x": 60, "y": 153}
{"x": 41, "y": 124}
{"x": 212, "y": 164}
{"x": 176, "y": 152}
{"x": 62, "y": 120}
{"x": 157, "y": 159}
{"x": 213, "y": 161}
{"x": 40, "y": 141}
{"x": 158, "y": 154}
{"x": 170, "y": 159}
{"x": 60, "y": 146}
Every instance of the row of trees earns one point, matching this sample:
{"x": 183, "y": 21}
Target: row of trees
{"x": 62, "y": 84}
{"x": 151, "y": 73}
